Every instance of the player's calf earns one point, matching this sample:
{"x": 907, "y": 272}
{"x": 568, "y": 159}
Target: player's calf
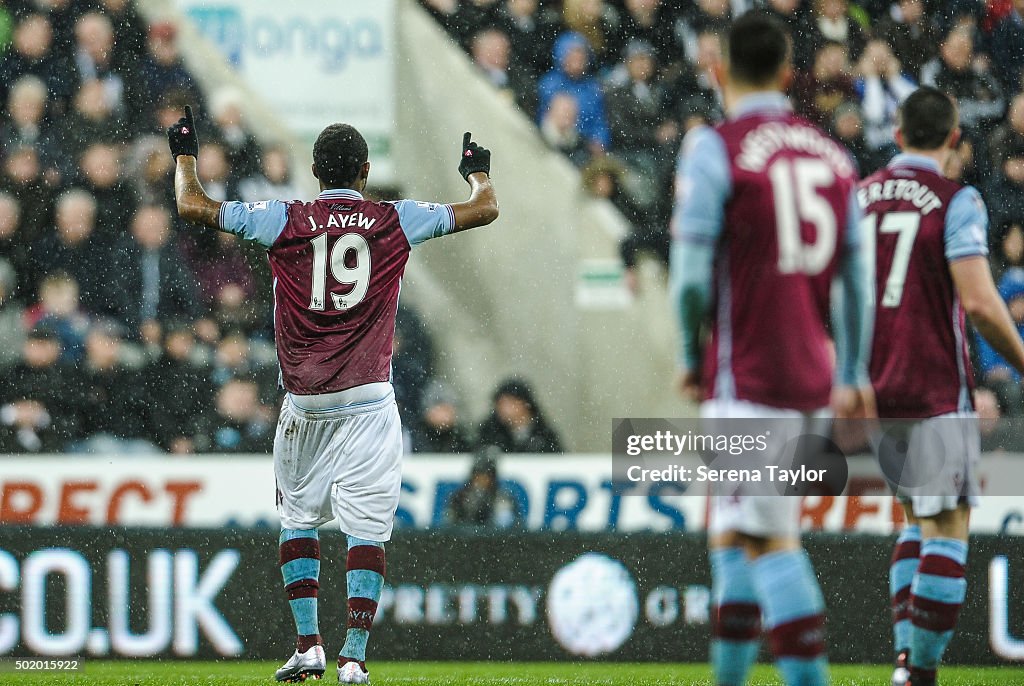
{"x": 794, "y": 615}
{"x": 736, "y": 621}
{"x": 905, "y": 560}
{"x": 300, "y": 570}
{"x": 365, "y": 571}
{"x": 936, "y": 595}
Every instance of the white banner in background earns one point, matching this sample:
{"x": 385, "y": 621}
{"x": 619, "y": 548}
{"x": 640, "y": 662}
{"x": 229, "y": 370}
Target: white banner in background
{"x": 315, "y": 63}
{"x": 556, "y": 492}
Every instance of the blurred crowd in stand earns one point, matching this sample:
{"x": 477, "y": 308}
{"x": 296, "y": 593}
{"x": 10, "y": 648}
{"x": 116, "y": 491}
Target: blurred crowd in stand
{"x": 616, "y": 84}
{"x": 122, "y": 329}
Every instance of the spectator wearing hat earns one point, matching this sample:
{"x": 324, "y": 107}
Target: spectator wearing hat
{"x": 995, "y": 372}
{"x": 36, "y": 414}
{"x": 570, "y": 76}
{"x": 634, "y": 104}
{"x": 483, "y": 502}
{"x": 516, "y": 423}
{"x": 439, "y": 429}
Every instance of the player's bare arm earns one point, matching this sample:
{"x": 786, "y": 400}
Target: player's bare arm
{"x": 482, "y": 207}
{"x": 193, "y": 203}
{"x": 972, "y": 278}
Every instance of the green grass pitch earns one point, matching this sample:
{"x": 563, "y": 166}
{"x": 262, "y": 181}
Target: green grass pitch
{"x": 127, "y": 673}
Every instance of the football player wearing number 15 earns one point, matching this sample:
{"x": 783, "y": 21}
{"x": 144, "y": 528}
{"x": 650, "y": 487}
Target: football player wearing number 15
{"x": 337, "y": 264}
{"x": 765, "y": 221}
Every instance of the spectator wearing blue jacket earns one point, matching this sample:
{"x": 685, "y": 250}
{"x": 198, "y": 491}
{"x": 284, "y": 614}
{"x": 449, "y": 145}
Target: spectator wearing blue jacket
{"x": 996, "y": 373}
{"x": 570, "y": 75}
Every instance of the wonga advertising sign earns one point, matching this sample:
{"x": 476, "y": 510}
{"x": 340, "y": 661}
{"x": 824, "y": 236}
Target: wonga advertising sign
{"x": 314, "y": 63}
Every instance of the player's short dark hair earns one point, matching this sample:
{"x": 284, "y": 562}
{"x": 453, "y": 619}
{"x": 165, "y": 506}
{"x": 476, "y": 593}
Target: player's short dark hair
{"x": 926, "y": 118}
{"x": 758, "y": 46}
{"x": 339, "y": 153}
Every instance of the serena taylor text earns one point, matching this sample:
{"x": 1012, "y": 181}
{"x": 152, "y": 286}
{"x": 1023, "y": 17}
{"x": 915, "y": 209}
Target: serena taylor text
{"x": 703, "y": 473}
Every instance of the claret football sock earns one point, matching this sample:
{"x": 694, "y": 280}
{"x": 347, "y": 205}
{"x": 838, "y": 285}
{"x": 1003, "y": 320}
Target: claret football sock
{"x": 906, "y": 556}
{"x": 365, "y": 579}
{"x": 793, "y": 612}
{"x": 936, "y": 594}
{"x": 300, "y": 569}
{"x": 736, "y": 617}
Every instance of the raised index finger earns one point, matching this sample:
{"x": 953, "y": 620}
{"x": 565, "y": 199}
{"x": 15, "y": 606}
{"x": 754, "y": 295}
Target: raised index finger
{"x": 466, "y": 138}
{"x": 188, "y": 116}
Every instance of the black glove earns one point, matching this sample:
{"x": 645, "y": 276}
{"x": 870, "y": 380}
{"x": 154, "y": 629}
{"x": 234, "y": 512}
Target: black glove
{"x": 182, "y": 136}
{"x": 474, "y": 158}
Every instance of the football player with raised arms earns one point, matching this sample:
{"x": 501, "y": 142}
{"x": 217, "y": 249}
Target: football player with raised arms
{"x": 765, "y": 221}
{"x": 931, "y": 272}
{"x": 337, "y": 264}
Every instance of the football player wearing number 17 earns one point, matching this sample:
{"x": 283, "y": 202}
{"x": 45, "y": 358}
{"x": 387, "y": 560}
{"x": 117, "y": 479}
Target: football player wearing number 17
{"x": 337, "y": 264}
{"x": 765, "y": 220}
{"x": 932, "y": 269}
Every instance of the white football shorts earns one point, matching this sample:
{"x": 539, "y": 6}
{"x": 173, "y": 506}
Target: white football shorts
{"x": 339, "y": 462}
{"x": 932, "y": 464}
{"x": 757, "y": 509}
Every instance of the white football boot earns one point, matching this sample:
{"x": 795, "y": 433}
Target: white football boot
{"x": 901, "y": 674}
{"x": 301, "y": 666}
{"x": 352, "y": 673}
